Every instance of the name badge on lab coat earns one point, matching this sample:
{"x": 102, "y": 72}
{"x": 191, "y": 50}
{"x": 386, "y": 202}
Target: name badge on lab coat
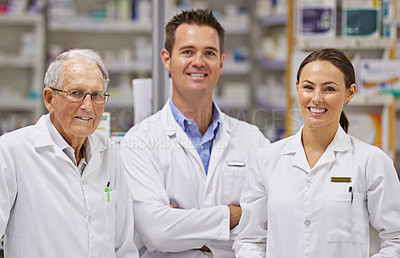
{"x": 236, "y": 163}
{"x": 341, "y": 179}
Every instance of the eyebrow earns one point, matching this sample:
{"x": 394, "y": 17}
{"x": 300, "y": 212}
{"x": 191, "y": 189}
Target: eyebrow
{"x": 325, "y": 83}
{"x": 192, "y": 47}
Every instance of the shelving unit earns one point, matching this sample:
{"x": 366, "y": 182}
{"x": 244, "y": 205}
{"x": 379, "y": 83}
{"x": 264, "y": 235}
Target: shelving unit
{"x": 235, "y": 80}
{"x": 269, "y": 66}
{"x": 21, "y": 70}
{"x": 124, "y": 44}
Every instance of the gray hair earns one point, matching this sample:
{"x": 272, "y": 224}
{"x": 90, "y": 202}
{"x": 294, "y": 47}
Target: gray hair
{"x": 53, "y": 74}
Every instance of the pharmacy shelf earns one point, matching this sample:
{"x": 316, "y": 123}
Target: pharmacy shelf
{"x": 240, "y": 68}
{"x": 118, "y": 104}
{"x": 124, "y": 68}
{"x": 278, "y": 20}
{"x": 10, "y": 63}
{"x": 371, "y": 100}
{"x": 278, "y": 110}
{"x": 86, "y": 26}
{"x": 235, "y": 29}
{"x": 272, "y": 64}
{"x": 25, "y": 105}
{"x": 16, "y": 62}
{"x": 364, "y": 102}
{"x": 308, "y": 43}
{"x": 226, "y": 104}
{"x": 26, "y": 19}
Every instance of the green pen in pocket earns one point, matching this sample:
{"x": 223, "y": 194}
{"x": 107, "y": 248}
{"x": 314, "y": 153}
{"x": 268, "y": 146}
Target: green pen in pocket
{"x": 108, "y": 191}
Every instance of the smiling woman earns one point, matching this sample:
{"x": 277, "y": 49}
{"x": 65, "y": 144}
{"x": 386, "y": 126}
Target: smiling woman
{"x": 340, "y": 77}
{"x": 318, "y": 192}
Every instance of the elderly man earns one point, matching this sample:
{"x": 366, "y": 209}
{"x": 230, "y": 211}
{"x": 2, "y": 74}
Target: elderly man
{"x": 62, "y": 193}
{"x": 187, "y": 163}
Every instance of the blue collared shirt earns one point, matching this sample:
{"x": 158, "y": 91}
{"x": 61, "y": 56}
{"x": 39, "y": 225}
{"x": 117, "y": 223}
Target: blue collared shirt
{"x": 203, "y": 144}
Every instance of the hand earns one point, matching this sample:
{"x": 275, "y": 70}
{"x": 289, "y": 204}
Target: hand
{"x": 235, "y": 214}
{"x": 205, "y": 249}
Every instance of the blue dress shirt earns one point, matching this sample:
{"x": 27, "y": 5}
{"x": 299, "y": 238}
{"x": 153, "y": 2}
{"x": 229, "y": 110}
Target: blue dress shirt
{"x": 203, "y": 144}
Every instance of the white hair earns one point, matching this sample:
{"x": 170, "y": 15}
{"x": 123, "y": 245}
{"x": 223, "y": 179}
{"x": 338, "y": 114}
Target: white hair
{"x": 53, "y": 73}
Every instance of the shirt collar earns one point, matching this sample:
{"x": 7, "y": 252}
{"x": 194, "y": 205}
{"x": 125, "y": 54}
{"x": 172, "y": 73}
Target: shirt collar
{"x": 182, "y": 120}
{"x": 60, "y": 141}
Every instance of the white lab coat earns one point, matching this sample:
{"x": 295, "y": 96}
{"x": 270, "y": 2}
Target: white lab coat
{"x": 290, "y": 210}
{"x": 48, "y": 209}
{"x": 164, "y": 168}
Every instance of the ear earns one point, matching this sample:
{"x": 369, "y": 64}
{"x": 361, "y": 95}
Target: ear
{"x": 297, "y": 86}
{"x": 351, "y": 92}
{"x": 165, "y": 58}
{"x": 48, "y": 96}
{"x": 222, "y": 61}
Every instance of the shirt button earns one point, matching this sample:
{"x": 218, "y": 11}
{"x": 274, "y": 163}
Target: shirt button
{"x": 202, "y": 147}
{"x": 307, "y": 223}
{"x": 308, "y": 183}
{"x": 90, "y": 219}
{"x": 189, "y": 122}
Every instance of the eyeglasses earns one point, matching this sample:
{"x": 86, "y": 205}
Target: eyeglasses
{"x": 78, "y": 96}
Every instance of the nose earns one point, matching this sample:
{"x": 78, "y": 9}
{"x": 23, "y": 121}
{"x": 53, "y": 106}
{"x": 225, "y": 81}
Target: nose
{"x": 317, "y": 97}
{"x": 198, "y": 60}
{"x": 87, "y": 102}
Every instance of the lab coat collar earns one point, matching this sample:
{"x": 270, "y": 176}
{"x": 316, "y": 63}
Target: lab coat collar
{"x": 41, "y": 135}
{"x": 340, "y": 143}
{"x": 42, "y": 138}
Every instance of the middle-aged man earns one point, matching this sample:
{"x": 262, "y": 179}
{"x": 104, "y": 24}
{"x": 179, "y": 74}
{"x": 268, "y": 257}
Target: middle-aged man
{"x": 62, "y": 193}
{"x": 186, "y": 164}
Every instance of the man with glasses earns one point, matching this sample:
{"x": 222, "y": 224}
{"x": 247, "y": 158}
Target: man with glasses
{"x": 62, "y": 193}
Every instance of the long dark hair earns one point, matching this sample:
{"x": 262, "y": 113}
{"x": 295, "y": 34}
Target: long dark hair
{"x": 340, "y": 61}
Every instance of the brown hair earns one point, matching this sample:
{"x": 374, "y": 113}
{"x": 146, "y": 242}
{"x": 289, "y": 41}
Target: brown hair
{"x": 198, "y": 17}
{"x": 340, "y": 61}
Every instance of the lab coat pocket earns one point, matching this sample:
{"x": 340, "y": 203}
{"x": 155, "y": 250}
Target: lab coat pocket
{"x": 345, "y": 218}
{"x": 233, "y": 180}
{"x": 110, "y": 201}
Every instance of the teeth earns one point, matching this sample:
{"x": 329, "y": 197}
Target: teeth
{"x": 84, "y": 118}
{"x": 318, "y": 110}
{"x": 197, "y": 75}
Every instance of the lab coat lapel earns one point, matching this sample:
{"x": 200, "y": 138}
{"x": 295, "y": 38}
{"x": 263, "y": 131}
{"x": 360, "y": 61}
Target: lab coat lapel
{"x": 341, "y": 142}
{"x": 42, "y": 139}
{"x": 295, "y": 149}
{"x": 96, "y": 148}
{"x": 174, "y": 130}
{"x": 220, "y": 145}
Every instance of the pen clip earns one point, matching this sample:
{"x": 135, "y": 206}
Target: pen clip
{"x": 352, "y": 194}
{"x": 107, "y": 190}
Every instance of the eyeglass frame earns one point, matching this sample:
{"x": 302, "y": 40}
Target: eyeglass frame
{"x": 106, "y": 95}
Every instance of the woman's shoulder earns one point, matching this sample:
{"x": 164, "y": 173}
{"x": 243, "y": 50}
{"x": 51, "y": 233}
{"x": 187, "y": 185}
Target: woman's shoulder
{"x": 365, "y": 150}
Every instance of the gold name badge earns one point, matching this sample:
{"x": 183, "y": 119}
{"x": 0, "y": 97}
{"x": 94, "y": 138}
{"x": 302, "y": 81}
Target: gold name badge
{"x": 341, "y": 179}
